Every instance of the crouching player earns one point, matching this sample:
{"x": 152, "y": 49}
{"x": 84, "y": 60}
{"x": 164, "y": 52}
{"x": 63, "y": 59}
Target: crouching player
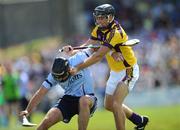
{"x": 79, "y": 95}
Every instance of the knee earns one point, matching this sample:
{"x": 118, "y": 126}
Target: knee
{"x": 116, "y": 106}
{"x": 107, "y": 107}
{"x": 84, "y": 102}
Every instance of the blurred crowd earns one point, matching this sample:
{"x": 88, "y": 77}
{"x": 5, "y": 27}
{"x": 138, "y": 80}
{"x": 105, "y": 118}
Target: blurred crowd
{"x": 155, "y": 23}
{"x": 142, "y": 15}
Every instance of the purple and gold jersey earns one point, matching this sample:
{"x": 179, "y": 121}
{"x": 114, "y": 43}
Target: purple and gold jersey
{"x": 113, "y": 36}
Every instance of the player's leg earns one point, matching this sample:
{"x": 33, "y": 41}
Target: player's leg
{"x": 15, "y": 107}
{"x": 8, "y": 111}
{"x": 108, "y": 105}
{"x": 111, "y": 86}
{"x": 118, "y": 98}
{"x": 114, "y": 104}
{"x": 53, "y": 116}
{"x": 130, "y": 114}
{"x": 85, "y": 104}
{"x": 140, "y": 121}
{"x": 116, "y": 91}
{"x": 137, "y": 119}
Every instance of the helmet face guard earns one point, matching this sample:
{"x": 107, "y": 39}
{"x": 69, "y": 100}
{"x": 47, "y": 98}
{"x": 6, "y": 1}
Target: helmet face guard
{"x": 96, "y": 17}
{"x": 62, "y": 77}
{"x": 60, "y": 69}
{"x": 104, "y": 11}
{"x": 98, "y": 13}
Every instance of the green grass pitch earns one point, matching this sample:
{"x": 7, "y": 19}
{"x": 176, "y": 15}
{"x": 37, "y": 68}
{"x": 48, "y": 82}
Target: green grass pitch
{"x": 161, "y": 118}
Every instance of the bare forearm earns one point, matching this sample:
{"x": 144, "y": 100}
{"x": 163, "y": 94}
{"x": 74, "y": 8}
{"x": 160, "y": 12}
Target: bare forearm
{"x": 36, "y": 99}
{"x": 90, "y": 61}
{"x": 33, "y": 102}
{"x": 97, "y": 56}
{"x": 88, "y": 42}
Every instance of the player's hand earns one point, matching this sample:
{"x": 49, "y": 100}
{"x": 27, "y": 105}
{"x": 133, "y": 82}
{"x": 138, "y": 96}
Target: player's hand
{"x": 73, "y": 71}
{"x": 67, "y": 49}
{"x": 24, "y": 113}
{"x": 117, "y": 56}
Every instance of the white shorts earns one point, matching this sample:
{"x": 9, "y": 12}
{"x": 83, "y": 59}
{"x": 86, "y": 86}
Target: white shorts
{"x": 122, "y": 76}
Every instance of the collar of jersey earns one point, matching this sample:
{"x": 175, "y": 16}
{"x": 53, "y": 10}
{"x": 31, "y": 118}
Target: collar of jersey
{"x": 108, "y": 27}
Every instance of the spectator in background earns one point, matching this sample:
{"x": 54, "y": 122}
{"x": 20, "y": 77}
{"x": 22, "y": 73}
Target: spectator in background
{"x": 24, "y": 89}
{"x": 3, "y": 116}
{"x": 11, "y": 91}
{"x": 172, "y": 56}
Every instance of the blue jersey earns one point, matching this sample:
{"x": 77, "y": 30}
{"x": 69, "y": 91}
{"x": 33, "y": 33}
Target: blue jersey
{"x": 77, "y": 85}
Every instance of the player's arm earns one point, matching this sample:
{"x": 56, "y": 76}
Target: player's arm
{"x": 97, "y": 56}
{"x": 89, "y": 42}
{"x": 35, "y": 100}
{"x": 69, "y": 49}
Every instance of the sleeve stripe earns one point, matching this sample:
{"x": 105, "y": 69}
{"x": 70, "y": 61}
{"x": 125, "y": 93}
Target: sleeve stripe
{"x": 121, "y": 33}
{"x": 119, "y": 28}
{"x": 86, "y": 54}
{"x": 111, "y": 35}
{"x": 49, "y": 83}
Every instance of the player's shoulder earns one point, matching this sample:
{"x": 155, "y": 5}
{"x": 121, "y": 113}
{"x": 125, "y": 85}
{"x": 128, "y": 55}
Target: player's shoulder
{"x": 118, "y": 37}
{"x": 117, "y": 26}
{"x": 118, "y": 32}
{"x": 77, "y": 58}
{"x": 114, "y": 33}
{"x": 95, "y": 28}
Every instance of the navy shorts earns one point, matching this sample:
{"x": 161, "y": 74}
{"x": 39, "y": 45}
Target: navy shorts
{"x": 69, "y": 106}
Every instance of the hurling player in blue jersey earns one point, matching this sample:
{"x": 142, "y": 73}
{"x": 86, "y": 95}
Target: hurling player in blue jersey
{"x": 79, "y": 93}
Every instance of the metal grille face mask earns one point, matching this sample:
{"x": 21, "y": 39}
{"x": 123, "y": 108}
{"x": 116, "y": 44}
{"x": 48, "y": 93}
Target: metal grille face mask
{"x": 62, "y": 77}
{"x": 104, "y": 11}
{"x": 60, "y": 69}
